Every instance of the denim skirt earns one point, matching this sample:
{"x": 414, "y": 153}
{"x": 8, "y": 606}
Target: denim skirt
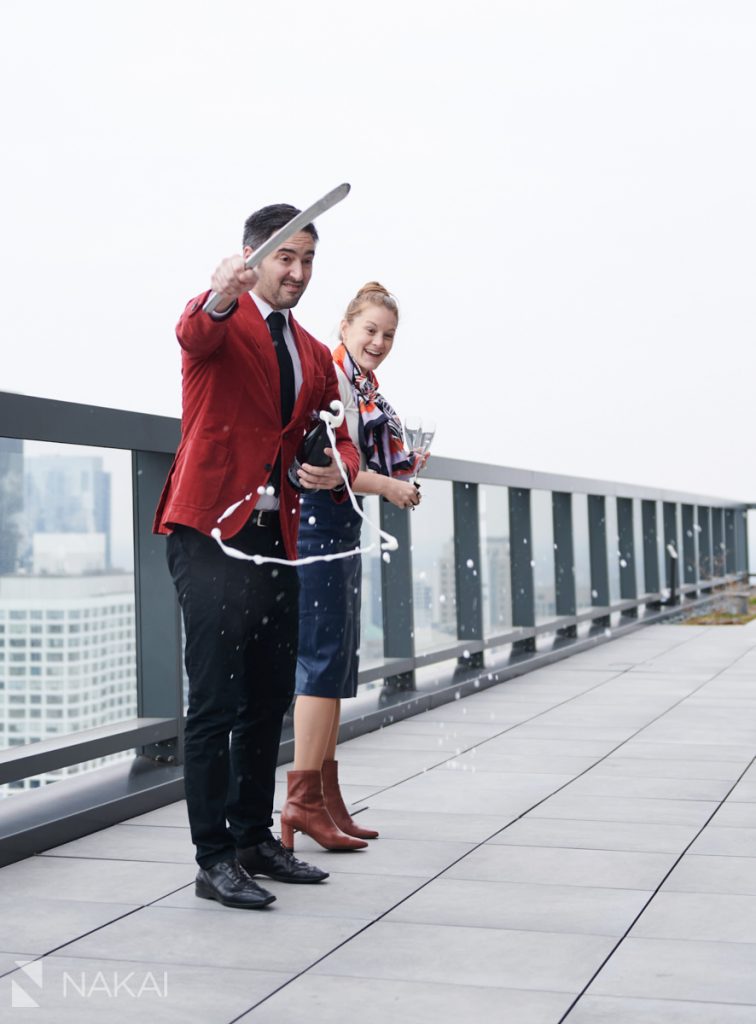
{"x": 329, "y": 599}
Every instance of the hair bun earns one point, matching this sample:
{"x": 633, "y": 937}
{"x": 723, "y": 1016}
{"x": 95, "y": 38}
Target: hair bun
{"x": 371, "y": 288}
{"x": 371, "y": 294}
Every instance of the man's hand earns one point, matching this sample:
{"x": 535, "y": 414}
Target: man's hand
{"x": 230, "y": 280}
{"x": 320, "y": 477}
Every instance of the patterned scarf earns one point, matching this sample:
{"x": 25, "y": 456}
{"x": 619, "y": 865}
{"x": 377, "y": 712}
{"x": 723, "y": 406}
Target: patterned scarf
{"x": 380, "y": 429}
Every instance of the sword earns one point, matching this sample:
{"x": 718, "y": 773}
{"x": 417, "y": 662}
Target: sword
{"x": 295, "y": 224}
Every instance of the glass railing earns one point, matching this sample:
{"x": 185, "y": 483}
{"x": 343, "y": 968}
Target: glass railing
{"x": 495, "y": 564}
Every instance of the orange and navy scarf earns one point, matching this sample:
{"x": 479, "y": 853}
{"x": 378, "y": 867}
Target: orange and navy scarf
{"x": 380, "y": 429}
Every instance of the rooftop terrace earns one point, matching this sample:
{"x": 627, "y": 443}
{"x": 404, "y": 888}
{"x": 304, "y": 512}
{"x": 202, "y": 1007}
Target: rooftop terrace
{"x": 578, "y": 843}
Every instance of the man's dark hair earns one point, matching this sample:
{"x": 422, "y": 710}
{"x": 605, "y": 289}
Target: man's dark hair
{"x": 261, "y": 224}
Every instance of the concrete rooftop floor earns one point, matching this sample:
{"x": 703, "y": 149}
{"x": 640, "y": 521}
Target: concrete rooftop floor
{"x": 578, "y": 843}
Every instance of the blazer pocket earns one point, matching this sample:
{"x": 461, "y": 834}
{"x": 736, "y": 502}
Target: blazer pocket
{"x": 202, "y": 474}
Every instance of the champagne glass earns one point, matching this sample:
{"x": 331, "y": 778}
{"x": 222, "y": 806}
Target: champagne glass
{"x": 413, "y": 433}
{"x": 428, "y": 432}
{"x": 419, "y": 433}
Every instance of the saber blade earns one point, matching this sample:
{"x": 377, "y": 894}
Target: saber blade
{"x": 283, "y": 234}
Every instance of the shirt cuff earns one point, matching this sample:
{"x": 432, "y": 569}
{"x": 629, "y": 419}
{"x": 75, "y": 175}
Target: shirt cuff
{"x": 226, "y": 312}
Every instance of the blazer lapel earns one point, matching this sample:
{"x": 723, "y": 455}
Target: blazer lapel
{"x": 307, "y": 363}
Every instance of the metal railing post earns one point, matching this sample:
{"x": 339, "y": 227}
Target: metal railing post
{"x": 156, "y": 611}
{"x": 704, "y": 542}
{"x": 600, "y": 596}
{"x": 467, "y": 569}
{"x": 673, "y": 565}
{"x": 730, "y": 542}
{"x": 521, "y": 565}
{"x": 690, "y": 562}
{"x": 718, "y": 552}
{"x": 651, "y": 581}
{"x": 628, "y": 581}
{"x": 745, "y": 541}
{"x": 397, "y": 596}
{"x": 741, "y": 541}
{"x": 564, "y": 559}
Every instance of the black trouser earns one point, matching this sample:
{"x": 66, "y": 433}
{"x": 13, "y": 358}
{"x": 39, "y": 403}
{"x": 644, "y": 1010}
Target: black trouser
{"x": 241, "y": 623}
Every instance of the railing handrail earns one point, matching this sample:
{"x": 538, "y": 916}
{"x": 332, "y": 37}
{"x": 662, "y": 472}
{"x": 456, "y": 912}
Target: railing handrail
{"x": 46, "y": 419}
{"x": 443, "y": 468}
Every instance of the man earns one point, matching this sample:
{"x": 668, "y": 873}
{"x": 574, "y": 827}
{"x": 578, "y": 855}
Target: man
{"x": 252, "y": 378}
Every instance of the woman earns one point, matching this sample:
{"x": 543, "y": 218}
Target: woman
{"x": 329, "y": 602}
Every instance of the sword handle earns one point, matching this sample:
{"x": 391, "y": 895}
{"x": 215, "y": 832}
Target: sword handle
{"x": 211, "y": 302}
{"x": 214, "y": 297}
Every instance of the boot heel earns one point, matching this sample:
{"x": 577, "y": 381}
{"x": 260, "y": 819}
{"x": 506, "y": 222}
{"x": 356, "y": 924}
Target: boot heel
{"x": 304, "y": 805}
{"x": 287, "y": 836}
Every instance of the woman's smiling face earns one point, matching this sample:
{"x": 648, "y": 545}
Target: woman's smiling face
{"x": 370, "y": 336}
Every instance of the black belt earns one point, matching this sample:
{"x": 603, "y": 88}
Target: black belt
{"x": 264, "y": 517}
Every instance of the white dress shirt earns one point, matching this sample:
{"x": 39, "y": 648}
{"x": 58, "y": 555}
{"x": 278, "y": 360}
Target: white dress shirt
{"x": 271, "y": 500}
{"x": 265, "y": 311}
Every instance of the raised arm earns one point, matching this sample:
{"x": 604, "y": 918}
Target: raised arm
{"x": 200, "y": 333}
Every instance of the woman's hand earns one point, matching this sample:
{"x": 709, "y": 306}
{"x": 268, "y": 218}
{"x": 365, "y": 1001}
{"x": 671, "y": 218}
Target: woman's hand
{"x": 400, "y": 493}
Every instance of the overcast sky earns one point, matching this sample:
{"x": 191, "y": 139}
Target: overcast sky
{"x": 560, "y": 194}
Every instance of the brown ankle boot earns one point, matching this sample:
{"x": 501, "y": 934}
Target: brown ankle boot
{"x": 336, "y": 807}
{"x": 305, "y": 811}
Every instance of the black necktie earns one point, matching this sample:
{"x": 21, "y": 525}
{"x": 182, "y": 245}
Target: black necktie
{"x": 276, "y": 322}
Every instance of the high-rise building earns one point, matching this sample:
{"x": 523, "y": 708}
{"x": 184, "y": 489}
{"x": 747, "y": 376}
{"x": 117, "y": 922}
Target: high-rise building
{"x": 11, "y": 502}
{"x": 371, "y": 616}
{"x": 544, "y": 599}
{"x": 67, "y": 634}
{"x": 374, "y": 594}
{"x": 422, "y": 600}
{"x": 67, "y": 658}
{"x": 496, "y": 584}
{"x": 66, "y": 494}
{"x": 446, "y": 594}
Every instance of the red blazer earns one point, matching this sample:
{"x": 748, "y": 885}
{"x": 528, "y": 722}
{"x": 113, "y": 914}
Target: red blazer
{"x": 230, "y": 426}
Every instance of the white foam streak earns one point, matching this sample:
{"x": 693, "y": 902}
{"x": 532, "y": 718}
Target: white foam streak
{"x": 388, "y": 542}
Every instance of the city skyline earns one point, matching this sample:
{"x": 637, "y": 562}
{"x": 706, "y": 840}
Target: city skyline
{"x": 67, "y": 626}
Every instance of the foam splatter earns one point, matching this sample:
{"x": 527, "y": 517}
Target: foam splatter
{"x": 332, "y": 420}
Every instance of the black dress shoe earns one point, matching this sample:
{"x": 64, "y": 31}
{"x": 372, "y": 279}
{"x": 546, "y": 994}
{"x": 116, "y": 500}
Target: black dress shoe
{"x": 274, "y": 860}
{"x": 229, "y": 884}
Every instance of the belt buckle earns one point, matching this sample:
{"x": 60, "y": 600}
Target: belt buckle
{"x": 259, "y": 517}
